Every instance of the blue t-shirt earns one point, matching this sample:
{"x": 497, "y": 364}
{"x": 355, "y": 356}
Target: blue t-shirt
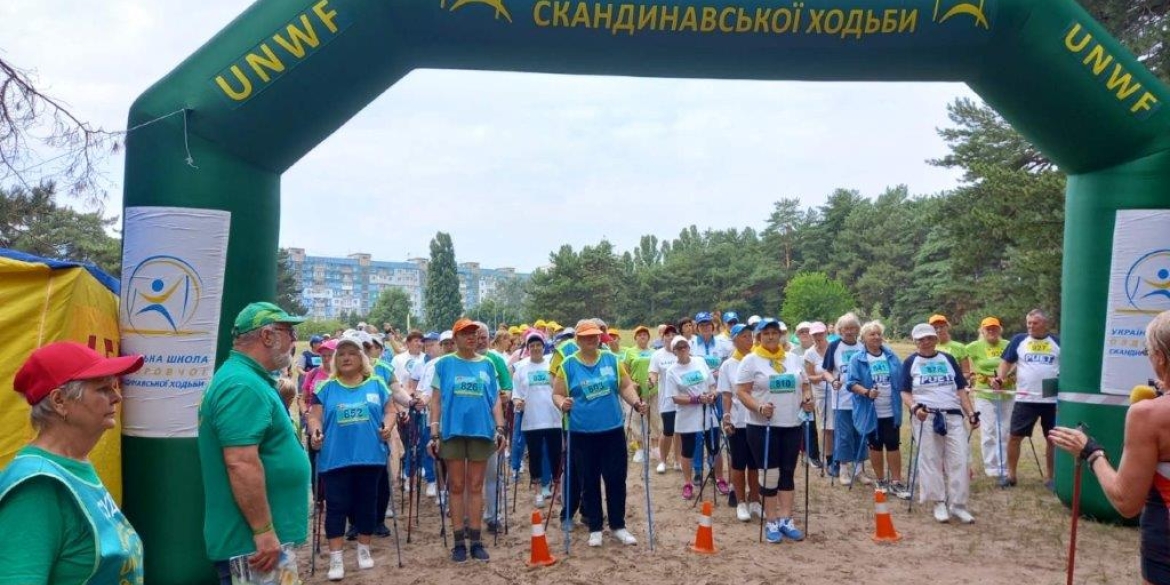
{"x": 384, "y": 372}
{"x": 468, "y": 390}
{"x": 595, "y": 393}
{"x": 352, "y": 421}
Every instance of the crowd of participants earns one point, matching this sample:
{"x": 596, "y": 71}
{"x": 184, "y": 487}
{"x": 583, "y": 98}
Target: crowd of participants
{"x": 724, "y": 405}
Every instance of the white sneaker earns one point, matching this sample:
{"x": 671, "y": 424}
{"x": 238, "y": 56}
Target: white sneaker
{"x": 639, "y": 456}
{"x": 677, "y": 467}
{"x": 431, "y": 489}
{"x": 756, "y": 509}
{"x": 742, "y": 513}
{"x": 539, "y": 500}
{"x": 623, "y": 536}
{"x": 389, "y": 512}
{"x": 336, "y": 566}
{"x": 864, "y": 479}
{"x": 962, "y": 514}
{"x": 661, "y": 468}
{"x": 406, "y": 485}
{"x": 940, "y": 512}
{"x": 594, "y": 539}
{"x": 365, "y": 561}
{"x": 846, "y": 477}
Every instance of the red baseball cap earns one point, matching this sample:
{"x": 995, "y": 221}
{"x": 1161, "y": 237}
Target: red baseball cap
{"x": 53, "y": 365}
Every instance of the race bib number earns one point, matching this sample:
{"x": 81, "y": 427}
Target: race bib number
{"x": 934, "y": 373}
{"x": 782, "y": 383}
{"x": 693, "y": 378}
{"x": 349, "y": 414}
{"x": 538, "y": 378}
{"x": 880, "y": 370}
{"x": 595, "y": 388}
{"x": 315, "y": 361}
{"x": 470, "y": 386}
{"x": 712, "y": 361}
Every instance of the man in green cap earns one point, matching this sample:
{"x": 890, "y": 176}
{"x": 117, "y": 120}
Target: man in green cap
{"x": 255, "y": 473}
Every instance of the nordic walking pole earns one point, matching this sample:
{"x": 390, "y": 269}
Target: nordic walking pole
{"x": 394, "y": 520}
{"x": 556, "y": 486}
{"x": 499, "y": 474}
{"x": 443, "y": 499}
{"x": 1076, "y": 515}
{"x": 1036, "y": 456}
{"x": 646, "y": 481}
{"x": 764, "y": 479}
{"x": 914, "y": 467}
{"x": 516, "y": 486}
{"x": 825, "y": 431}
{"x": 316, "y": 515}
{"x": 417, "y": 453}
{"x": 565, "y": 522}
{"x": 807, "y": 439}
{"x": 999, "y": 443}
{"x": 412, "y": 454}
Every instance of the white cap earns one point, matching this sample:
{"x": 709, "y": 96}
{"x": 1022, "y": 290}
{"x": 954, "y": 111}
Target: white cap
{"x": 680, "y": 340}
{"x": 803, "y": 325}
{"x": 783, "y": 325}
{"x": 753, "y": 320}
{"x": 922, "y": 330}
{"x": 816, "y": 327}
{"x": 446, "y": 336}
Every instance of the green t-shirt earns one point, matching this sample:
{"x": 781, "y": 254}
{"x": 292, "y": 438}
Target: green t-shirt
{"x": 985, "y": 359}
{"x": 502, "y": 374}
{"x": 55, "y": 539}
{"x": 637, "y": 363}
{"x": 955, "y": 348}
{"x": 241, "y": 408}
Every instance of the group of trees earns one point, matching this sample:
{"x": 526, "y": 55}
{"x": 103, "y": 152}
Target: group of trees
{"x": 993, "y": 246}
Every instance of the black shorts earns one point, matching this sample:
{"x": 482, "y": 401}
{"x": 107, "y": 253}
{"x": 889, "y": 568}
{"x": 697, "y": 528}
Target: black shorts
{"x": 689, "y": 440}
{"x": 668, "y": 424}
{"x": 782, "y": 451}
{"x": 741, "y": 455}
{"x": 1024, "y": 415}
{"x": 886, "y": 436}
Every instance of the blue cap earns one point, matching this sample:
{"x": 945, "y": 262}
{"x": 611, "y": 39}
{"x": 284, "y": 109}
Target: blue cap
{"x": 737, "y": 329}
{"x": 731, "y": 317}
{"x": 704, "y": 317}
{"x": 765, "y": 323}
{"x": 316, "y": 339}
{"x": 431, "y": 336}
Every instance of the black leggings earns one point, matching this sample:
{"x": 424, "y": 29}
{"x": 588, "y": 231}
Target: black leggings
{"x": 599, "y": 458}
{"x": 783, "y": 449}
{"x": 689, "y": 440}
{"x": 352, "y": 492}
{"x": 741, "y": 454}
{"x": 885, "y": 436}
{"x": 541, "y": 441}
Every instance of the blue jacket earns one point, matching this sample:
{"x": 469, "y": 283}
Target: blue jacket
{"x": 864, "y": 412}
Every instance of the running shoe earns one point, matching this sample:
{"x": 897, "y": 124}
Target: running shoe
{"x": 459, "y": 553}
{"x": 816, "y": 463}
{"x": 594, "y": 539}
{"x": 846, "y": 478}
{"x": 688, "y": 491}
{"x": 900, "y": 490}
{"x": 381, "y": 530}
{"x": 789, "y": 530}
{"x": 772, "y": 533}
{"x": 834, "y": 469}
{"x": 721, "y": 485}
{"x": 742, "y": 513}
{"x": 623, "y": 536}
{"x": 546, "y": 491}
{"x": 639, "y": 456}
{"x": 962, "y": 515}
{"x": 539, "y": 500}
{"x": 940, "y": 512}
{"x": 660, "y": 469}
{"x": 365, "y": 561}
{"x": 431, "y": 489}
{"x": 336, "y": 566}
{"x": 755, "y": 509}
{"x": 478, "y": 553}
{"x": 677, "y": 467}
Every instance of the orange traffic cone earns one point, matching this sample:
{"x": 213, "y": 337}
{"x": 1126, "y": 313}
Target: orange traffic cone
{"x": 704, "y": 537}
{"x": 540, "y": 556}
{"x": 885, "y": 524}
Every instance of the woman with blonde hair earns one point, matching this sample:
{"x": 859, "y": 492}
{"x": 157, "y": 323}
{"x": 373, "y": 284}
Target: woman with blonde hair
{"x": 874, "y": 378}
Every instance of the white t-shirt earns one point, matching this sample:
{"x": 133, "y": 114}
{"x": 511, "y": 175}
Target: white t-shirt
{"x": 934, "y": 382}
{"x": 691, "y": 379}
{"x": 1036, "y": 360}
{"x": 712, "y": 354}
{"x": 780, "y": 388}
{"x": 532, "y": 383}
{"x": 879, "y": 369}
{"x": 403, "y": 364}
{"x": 841, "y": 359}
{"x": 659, "y": 363}
{"x": 426, "y": 377}
{"x": 727, "y": 373}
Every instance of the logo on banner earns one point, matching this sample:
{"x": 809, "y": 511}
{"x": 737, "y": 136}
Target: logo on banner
{"x": 163, "y": 297}
{"x": 497, "y": 5}
{"x": 1147, "y": 284}
{"x": 945, "y": 10}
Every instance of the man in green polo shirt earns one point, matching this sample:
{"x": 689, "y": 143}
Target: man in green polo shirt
{"x": 255, "y": 472}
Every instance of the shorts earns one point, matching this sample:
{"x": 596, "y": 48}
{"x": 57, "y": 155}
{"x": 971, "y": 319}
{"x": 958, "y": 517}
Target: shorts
{"x": 689, "y": 440}
{"x": 741, "y": 455}
{"x": 782, "y": 452}
{"x": 1024, "y": 415}
{"x": 469, "y": 448}
{"x": 668, "y": 424}
{"x": 886, "y": 436}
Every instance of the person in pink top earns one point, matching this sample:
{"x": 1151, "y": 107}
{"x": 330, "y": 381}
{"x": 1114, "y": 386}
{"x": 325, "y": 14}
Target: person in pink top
{"x": 314, "y": 378}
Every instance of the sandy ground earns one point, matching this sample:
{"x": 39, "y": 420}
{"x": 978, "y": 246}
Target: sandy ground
{"x": 1020, "y": 536}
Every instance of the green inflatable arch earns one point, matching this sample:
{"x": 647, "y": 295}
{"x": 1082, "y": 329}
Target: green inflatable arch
{"x": 202, "y": 191}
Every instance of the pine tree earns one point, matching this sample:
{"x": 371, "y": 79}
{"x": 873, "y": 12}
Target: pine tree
{"x": 443, "y": 302}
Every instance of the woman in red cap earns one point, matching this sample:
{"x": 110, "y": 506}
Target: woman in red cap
{"x": 71, "y": 530}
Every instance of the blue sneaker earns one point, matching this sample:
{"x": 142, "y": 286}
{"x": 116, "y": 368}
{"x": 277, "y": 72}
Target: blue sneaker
{"x": 772, "y": 532}
{"x": 789, "y": 530}
{"x": 834, "y": 469}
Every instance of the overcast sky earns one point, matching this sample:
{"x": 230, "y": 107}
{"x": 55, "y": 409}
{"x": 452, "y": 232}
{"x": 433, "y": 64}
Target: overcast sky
{"x": 573, "y": 158}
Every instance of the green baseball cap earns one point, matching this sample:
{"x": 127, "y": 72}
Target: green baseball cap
{"x": 257, "y": 315}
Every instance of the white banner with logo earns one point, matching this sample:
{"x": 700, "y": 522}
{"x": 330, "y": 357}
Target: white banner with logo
{"x": 173, "y": 262}
{"x": 1139, "y": 289}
